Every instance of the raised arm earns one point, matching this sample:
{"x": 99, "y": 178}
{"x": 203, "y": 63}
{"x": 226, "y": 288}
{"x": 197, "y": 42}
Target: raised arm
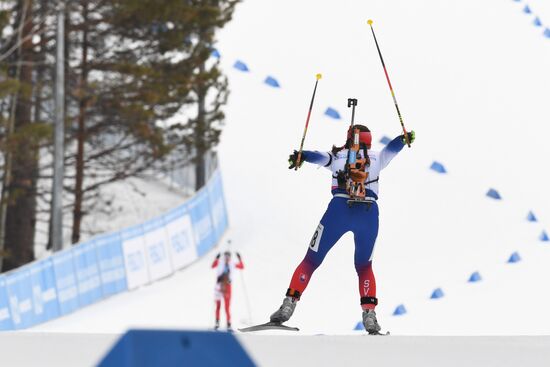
{"x": 323, "y": 159}
{"x": 393, "y": 148}
{"x": 239, "y": 264}
{"x": 216, "y": 260}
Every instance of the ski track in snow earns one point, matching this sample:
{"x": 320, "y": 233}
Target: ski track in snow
{"x": 471, "y": 79}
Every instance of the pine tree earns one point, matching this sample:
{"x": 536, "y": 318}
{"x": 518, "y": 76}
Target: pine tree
{"x": 201, "y": 134}
{"x": 134, "y": 64}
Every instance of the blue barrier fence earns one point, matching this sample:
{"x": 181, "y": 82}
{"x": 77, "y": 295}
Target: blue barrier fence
{"x": 114, "y": 262}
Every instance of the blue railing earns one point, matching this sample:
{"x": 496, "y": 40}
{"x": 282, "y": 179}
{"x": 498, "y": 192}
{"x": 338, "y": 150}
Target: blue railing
{"x": 113, "y": 263}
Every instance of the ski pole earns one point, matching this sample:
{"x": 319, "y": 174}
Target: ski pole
{"x": 246, "y": 298}
{"x": 318, "y": 76}
{"x": 389, "y": 83}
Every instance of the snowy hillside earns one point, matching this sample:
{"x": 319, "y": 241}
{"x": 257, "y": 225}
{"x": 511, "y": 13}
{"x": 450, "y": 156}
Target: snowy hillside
{"x": 472, "y": 80}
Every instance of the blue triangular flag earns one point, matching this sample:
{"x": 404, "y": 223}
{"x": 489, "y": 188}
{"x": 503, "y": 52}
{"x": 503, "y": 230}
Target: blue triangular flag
{"x": 492, "y": 193}
{"x": 239, "y": 65}
{"x": 437, "y": 293}
{"x": 537, "y": 22}
{"x": 547, "y": 33}
{"x": 514, "y": 258}
{"x": 475, "y": 277}
{"x": 331, "y": 112}
{"x": 527, "y": 9}
{"x": 215, "y": 53}
{"x": 272, "y": 82}
{"x": 531, "y": 217}
{"x": 544, "y": 237}
{"x": 400, "y": 310}
{"x": 438, "y": 167}
{"x": 359, "y": 326}
{"x": 385, "y": 140}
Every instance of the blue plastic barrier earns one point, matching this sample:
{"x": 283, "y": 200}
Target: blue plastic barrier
{"x": 272, "y": 82}
{"x": 437, "y": 293}
{"x": 527, "y": 9}
{"x": 544, "y": 237}
{"x": 65, "y": 282}
{"x": 438, "y": 167}
{"x": 205, "y": 233}
{"x": 332, "y": 113}
{"x": 217, "y": 205}
{"x": 6, "y": 322}
{"x": 111, "y": 264}
{"x": 494, "y": 194}
{"x": 215, "y": 53}
{"x": 547, "y": 33}
{"x": 87, "y": 273}
{"x": 44, "y": 293}
{"x": 19, "y": 290}
{"x": 537, "y": 22}
{"x": 239, "y": 65}
{"x": 359, "y": 326}
{"x": 167, "y": 348}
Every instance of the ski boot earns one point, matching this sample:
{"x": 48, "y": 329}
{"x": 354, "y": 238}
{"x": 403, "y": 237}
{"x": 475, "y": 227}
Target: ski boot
{"x": 370, "y": 323}
{"x": 285, "y": 311}
{"x": 217, "y": 325}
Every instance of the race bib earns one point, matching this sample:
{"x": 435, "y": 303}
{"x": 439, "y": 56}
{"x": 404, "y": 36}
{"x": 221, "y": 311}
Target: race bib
{"x": 316, "y": 239}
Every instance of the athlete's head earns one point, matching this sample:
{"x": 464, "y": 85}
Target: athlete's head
{"x": 365, "y": 136}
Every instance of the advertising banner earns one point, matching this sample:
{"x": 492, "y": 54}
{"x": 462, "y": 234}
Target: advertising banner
{"x": 156, "y": 245}
{"x": 111, "y": 263}
{"x": 181, "y": 238}
{"x": 135, "y": 260}
{"x": 217, "y": 204}
{"x": 87, "y": 273}
{"x": 205, "y": 234}
{"x": 19, "y": 289}
{"x": 65, "y": 281}
{"x": 5, "y": 315}
{"x": 114, "y": 263}
{"x": 44, "y": 293}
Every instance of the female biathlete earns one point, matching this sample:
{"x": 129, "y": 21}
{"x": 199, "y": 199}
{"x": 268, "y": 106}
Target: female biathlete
{"x": 341, "y": 217}
{"x": 222, "y": 291}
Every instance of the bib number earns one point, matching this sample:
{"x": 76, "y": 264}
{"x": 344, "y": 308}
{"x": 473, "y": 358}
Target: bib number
{"x": 316, "y": 239}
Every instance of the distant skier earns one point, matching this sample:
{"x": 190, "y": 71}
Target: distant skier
{"x": 224, "y": 269}
{"x": 341, "y": 217}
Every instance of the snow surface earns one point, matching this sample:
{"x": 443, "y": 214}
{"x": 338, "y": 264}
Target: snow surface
{"x": 472, "y": 80}
{"x": 75, "y": 350}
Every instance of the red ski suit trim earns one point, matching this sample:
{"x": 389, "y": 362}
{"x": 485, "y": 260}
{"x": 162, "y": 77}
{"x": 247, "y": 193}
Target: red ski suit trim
{"x": 367, "y": 280}
{"x": 239, "y": 265}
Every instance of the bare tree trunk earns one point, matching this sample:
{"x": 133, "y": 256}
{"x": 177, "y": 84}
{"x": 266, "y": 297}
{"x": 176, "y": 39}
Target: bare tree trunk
{"x": 200, "y": 132}
{"x": 21, "y": 206}
{"x": 81, "y": 133}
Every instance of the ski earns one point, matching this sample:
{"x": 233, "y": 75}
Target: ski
{"x": 269, "y": 326}
{"x": 379, "y": 333}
